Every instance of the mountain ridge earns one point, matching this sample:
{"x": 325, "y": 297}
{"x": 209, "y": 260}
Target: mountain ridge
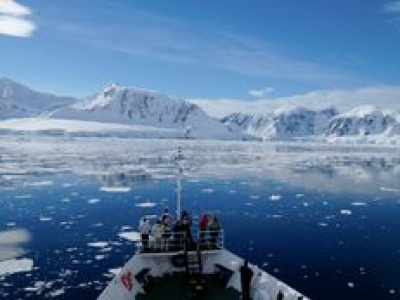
{"x": 116, "y": 104}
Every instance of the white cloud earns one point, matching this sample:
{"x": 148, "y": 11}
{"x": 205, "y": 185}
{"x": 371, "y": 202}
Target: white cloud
{"x": 379, "y": 96}
{"x": 17, "y": 27}
{"x": 10, "y": 7}
{"x": 260, "y": 93}
{"x": 14, "y": 19}
{"x": 392, "y": 7}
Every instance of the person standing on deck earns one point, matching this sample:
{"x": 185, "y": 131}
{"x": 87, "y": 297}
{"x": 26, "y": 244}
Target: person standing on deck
{"x": 158, "y": 232}
{"x": 203, "y": 222}
{"x": 214, "y": 227}
{"x": 166, "y": 220}
{"x": 186, "y": 224}
{"x": 245, "y": 278}
{"x": 144, "y": 229}
{"x": 178, "y": 234}
{"x": 166, "y": 217}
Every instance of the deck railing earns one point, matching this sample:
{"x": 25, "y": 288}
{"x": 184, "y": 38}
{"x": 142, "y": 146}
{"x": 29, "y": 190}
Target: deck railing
{"x": 175, "y": 241}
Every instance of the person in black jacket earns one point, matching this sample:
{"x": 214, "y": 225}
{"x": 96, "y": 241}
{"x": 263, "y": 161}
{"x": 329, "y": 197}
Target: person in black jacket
{"x": 245, "y": 277}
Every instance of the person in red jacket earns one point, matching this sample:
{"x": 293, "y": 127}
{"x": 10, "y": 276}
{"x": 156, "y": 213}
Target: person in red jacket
{"x": 203, "y": 221}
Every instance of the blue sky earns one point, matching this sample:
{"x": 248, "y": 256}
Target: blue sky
{"x": 202, "y": 49}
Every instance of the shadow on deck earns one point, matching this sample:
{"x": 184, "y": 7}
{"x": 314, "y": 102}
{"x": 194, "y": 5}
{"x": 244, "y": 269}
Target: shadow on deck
{"x": 179, "y": 286}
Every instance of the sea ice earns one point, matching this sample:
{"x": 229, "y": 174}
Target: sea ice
{"x": 388, "y": 189}
{"x": 93, "y": 201}
{"x": 115, "y": 189}
{"x": 98, "y": 244}
{"x": 275, "y": 197}
{"x": 27, "y": 196}
{"x": 41, "y": 183}
{"x": 132, "y": 236}
{"x": 346, "y": 212}
{"x": 12, "y": 266}
{"x": 146, "y": 204}
{"x": 57, "y": 293}
{"x": 359, "y": 204}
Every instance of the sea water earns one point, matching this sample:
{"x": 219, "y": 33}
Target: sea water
{"x": 322, "y": 218}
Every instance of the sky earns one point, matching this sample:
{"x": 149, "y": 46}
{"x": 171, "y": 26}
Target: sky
{"x": 232, "y": 52}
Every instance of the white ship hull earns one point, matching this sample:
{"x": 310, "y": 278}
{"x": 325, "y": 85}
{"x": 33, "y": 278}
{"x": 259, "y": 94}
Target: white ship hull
{"x": 125, "y": 285}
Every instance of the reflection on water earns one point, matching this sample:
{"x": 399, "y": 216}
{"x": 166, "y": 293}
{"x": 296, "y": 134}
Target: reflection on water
{"x": 127, "y": 179}
{"x": 322, "y": 218}
{"x": 131, "y": 163}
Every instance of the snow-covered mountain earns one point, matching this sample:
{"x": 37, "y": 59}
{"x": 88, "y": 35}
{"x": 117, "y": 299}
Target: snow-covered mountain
{"x": 135, "y": 106}
{"x": 18, "y": 101}
{"x": 135, "y": 112}
{"x": 365, "y": 124}
{"x": 364, "y": 121}
{"x": 284, "y": 123}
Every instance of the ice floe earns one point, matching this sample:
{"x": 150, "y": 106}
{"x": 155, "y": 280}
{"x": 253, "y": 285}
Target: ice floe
{"x": 12, "y": 266}
{"x": 41, "y": 183}
{"x": 115, "y": 271}
{"x": 37, "y": 286}
{"x": 145, "y": 204}
{"x": 388, "y": 189}
{"x": 346, "y": 212}
{"x": 275, "y": 197}
{"x": 115, "y": 189}
{"x": 132, "y": 236}
{"x": 98, "y": 244}
{"x": 126, "y": 227}
{"x": 93, "y": 200}
{"x": 112, "y": 272}
{"x": 27, "y": 196}
{"x": 11, "y": 243}
{"x": 56, "y": 293}
{"x": 359, "y": 204}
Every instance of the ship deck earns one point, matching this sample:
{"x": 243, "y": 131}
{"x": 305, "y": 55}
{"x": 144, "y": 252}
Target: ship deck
{"x": 179, "y": 286}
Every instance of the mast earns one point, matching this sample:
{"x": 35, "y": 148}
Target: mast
{"x": 179, "y": 175}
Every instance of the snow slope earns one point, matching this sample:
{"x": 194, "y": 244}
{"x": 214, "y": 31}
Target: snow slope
{"x": 48, "y": 126}
{"x": 135, "y": 106}
{"x": 17, "y": 101}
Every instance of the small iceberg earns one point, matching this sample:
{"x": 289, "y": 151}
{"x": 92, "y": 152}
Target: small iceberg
{"x": 115, "y": 189}
{"x": 13, "y": 266}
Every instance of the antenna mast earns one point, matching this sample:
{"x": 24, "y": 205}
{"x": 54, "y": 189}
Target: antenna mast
{"x": 179, "y": 175}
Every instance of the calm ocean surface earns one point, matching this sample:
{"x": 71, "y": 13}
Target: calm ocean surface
{"x": 323, "y": 219}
